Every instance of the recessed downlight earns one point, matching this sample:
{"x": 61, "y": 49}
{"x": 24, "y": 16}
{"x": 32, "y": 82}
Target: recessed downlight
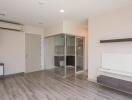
{"x": 62, "y": 10}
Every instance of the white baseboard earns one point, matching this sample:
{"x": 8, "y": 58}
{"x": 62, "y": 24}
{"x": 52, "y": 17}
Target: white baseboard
{"x": 92, "y": 80}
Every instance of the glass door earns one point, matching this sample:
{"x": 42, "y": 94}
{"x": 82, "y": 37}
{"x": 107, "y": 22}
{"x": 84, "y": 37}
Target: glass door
{"x": 70, "y": 55}
{"x": 55, "y": 54}
{"x": 59, "y": 56}
{"x": 79, "y": 54}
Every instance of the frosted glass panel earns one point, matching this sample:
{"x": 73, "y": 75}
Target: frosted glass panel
{"x": 59, "y": 57}
{"x": 79, "y": 54}
{"x": 54, "y": 54}
{"x": 59, "y": 44}
{"x": 70, "y": 45}
{"x": 59, "y": 40}
{"x": 70, "y": 55}
{"x": 117, "y": 62}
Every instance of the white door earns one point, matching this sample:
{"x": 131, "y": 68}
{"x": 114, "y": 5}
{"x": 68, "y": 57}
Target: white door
{"x": 33, "y": 52}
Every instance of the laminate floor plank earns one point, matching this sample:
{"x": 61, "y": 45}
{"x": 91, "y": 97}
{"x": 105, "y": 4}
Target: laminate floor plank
{"x": 45, "y": 85}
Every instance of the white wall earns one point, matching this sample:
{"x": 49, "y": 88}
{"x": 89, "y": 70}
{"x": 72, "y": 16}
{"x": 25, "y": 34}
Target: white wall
{"x": 116, "y": 24}
{"x": 12, "y": 51}
{"x": 74, "y": 28}
{"x": 67, "y": 26}
{"x": 12, "y": 48}
{"x": 33, "y": 29}
{"x": 54, "y": 29}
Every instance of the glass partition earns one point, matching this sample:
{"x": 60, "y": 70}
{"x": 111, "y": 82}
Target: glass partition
{"x": 54, "y": 54}
{"x": 64, "y": 54}
{"x": 59, "y": 57}
{"x": 79, "y": 54}
{"x": 70, "y": 55}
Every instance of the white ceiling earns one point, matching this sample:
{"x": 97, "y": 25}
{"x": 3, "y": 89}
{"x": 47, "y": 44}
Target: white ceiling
{"x": 31, "y": 12}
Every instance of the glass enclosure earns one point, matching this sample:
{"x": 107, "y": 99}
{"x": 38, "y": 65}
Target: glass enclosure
{"x": 70, "y": 55}
{"x": 59, "y": 57}
{"x": 79, "y": 54}
{"x": 64, "y": 54}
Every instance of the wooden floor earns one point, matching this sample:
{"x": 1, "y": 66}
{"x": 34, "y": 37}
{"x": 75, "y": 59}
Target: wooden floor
{"x": 47, "y": 86}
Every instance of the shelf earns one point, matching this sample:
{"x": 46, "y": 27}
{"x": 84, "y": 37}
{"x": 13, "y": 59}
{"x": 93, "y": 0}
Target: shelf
{"x": 116, "y": 40}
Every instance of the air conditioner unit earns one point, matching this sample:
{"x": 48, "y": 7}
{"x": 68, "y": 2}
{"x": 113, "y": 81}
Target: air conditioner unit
{"x": 8, "y": 25}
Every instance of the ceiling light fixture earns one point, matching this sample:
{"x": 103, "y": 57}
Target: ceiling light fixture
{"x": 62, "y": 11}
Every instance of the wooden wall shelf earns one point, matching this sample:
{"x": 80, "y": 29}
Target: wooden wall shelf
{"x": 116, "y": 40}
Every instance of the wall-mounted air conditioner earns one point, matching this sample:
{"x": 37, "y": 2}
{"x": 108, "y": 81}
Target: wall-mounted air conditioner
{"x": 8, "y": 25}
